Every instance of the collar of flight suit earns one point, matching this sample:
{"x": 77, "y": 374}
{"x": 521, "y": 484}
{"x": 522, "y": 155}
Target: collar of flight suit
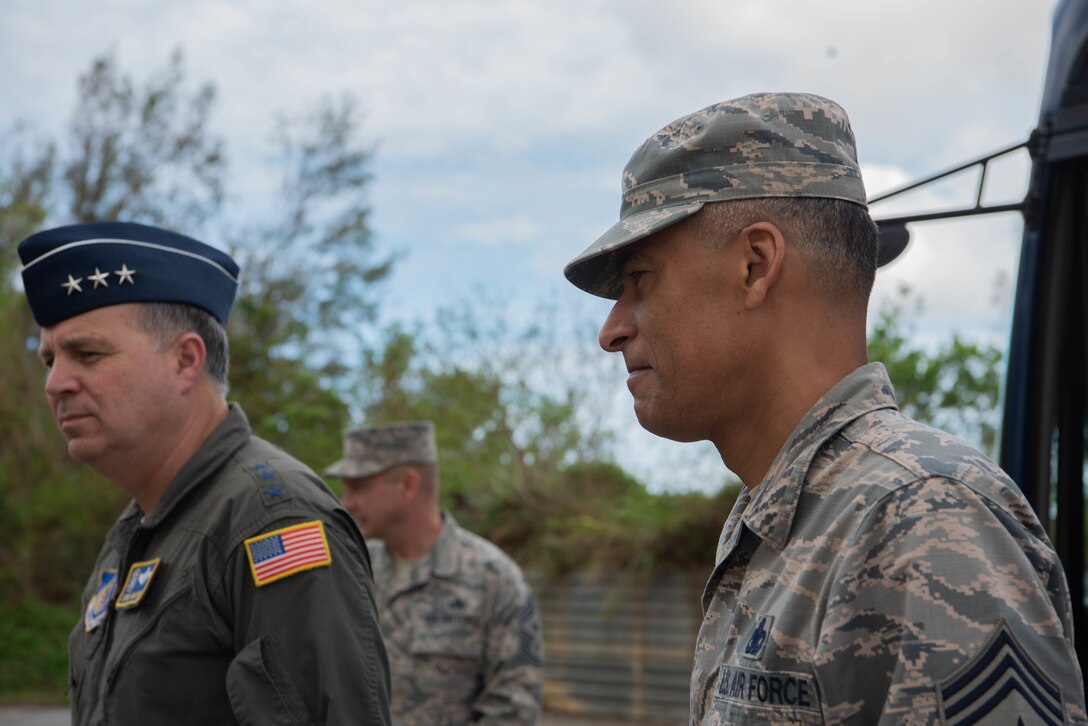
{"x": 773, "y": 504}
{"x": 230, "y": 435}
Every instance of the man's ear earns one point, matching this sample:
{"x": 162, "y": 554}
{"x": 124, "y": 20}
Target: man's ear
{"x": 190, "y": 354}
{"x": 410, "y": 482}
{"x": 764, "y": 252}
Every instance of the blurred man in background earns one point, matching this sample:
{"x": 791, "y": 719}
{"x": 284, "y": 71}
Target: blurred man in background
{"x": 233, "y": 588}
{"x": 460, "y": 623}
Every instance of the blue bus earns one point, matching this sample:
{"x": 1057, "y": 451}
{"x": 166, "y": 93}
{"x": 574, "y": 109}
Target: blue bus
{"x": 1045, "y": 416}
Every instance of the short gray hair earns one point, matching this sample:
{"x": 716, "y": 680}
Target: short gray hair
{"x": 837, "y": 239}
{"x": 166, "y": 321}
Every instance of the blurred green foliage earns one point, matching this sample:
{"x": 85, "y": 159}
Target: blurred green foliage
{"x": 34, "y": 651}
{"x": 521, "y": 459}
{"x": 953, "y": 384}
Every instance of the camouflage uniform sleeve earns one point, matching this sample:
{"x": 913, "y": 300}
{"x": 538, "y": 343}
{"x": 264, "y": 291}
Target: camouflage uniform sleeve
{"x": 919, "y": 595}
{"x": 308, "y": 648}
{"x": 513, "y": 653}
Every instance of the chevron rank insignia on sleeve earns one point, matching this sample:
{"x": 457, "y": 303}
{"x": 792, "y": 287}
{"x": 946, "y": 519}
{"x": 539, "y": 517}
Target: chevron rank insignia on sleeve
{"x": 1001, "y": 685}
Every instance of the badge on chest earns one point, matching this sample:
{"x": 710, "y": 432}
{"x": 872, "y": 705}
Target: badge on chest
{"x": 137, "y": 584}
{"x": 757, "y": 638}
{"x": 99, "y": 604}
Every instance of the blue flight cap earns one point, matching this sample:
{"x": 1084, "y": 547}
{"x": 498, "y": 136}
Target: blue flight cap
{"x": 68, "y": 271}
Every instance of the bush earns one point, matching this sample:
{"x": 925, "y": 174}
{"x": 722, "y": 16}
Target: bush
{"x": 34, "y": 651}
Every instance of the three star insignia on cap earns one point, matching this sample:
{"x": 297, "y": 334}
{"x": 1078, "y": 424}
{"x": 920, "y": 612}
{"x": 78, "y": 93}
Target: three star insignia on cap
{"x": 73, "y": 284}
{"x": 100, "y": 279}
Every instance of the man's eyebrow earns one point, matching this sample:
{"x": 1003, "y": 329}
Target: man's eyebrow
{"x": 77, "y": 341}
{"x": 72, "y": 343}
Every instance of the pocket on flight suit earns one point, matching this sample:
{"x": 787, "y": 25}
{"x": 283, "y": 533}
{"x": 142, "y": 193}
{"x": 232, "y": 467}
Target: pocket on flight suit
{"x": 82, "y": 649}
{"x": 450, "y": 657}
{"x": 261, "y": 690}
{"x": 87, "y": 637}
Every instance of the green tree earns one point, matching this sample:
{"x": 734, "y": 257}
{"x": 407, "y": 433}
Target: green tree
{"x": 141, "y": 152}
{"x": 308, "y": 286}
{"x": 144, "y": 151}
{"x": 954, "y": 385}
{"x": 524, "y": 457}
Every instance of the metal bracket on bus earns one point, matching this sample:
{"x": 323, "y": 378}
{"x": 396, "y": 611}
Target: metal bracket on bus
{"x": 894, "y": 234}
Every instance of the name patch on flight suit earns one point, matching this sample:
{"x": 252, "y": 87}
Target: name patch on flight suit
{"x": 137, "y": 583}
{"x": 750, "y": 687}
{"x": 99, "y": 604}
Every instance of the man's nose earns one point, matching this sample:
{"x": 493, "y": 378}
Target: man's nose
{"x": 60, "y": 379}
{"x": 618, "y": 328}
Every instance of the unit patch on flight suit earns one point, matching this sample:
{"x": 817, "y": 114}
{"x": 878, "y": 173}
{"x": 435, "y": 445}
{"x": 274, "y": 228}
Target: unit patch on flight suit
{"x": 137, "y": 583}
{"x": 99, "y": 604}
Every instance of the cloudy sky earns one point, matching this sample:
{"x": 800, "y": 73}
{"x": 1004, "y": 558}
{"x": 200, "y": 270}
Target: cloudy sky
{"x": 501, "y": 126}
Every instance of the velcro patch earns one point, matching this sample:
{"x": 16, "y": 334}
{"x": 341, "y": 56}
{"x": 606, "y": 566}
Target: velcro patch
{"x": 285, "y": 552}
{"x": 757, "y": 641}
{"x": 269, "y": 483}
{"x": 781, "y": 689}
{"x": 99, "y": 604}
{"x": 137, "y": 583}
{"x": 1002, "y": 683}
{"x": 530, "y": 633}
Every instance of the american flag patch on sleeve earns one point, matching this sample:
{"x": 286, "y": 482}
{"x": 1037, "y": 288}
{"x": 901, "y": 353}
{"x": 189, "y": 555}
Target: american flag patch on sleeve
{"x": 276, "y": 555}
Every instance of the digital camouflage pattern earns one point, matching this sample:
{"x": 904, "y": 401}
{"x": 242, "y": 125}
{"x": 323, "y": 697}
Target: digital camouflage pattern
{"x": 884, "y": 572}
{"x": 463, "y": 634}
{"x": 760, "y": 145}
{"x": 373, "y": 449}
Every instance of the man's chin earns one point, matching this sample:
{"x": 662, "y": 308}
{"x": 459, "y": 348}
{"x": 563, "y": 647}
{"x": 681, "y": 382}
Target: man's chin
{"x": 664, "y": 426}
{"x": 83, "y": 451}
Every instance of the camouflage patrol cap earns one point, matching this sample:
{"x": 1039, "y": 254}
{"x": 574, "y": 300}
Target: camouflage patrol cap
{"x": 373, "y": 449}
{"x": 761, "y": 145}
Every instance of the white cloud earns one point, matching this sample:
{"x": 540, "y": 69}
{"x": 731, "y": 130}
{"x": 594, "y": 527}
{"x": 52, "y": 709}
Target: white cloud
{"x": 515, "y": 229}
{"x": 926, "y": 80}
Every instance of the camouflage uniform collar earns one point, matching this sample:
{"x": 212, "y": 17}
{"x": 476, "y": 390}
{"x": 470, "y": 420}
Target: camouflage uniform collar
{"x": 444, "y": 560}
{"x": 446, "y": 553}
{"x": 774, "y": 502}
{"x": 229, "y": 436}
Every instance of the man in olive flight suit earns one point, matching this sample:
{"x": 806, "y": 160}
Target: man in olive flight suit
{"x": 460, "y": 622}
{"x": 873, "y": 570}
{"x": 233, "y": 588}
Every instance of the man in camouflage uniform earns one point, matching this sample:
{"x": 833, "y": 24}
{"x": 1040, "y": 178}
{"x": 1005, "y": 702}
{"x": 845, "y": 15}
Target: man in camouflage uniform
{"x": 460, "y": 623}
{"x": 234, "y": 588}
{"x": 873, "y": 570}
